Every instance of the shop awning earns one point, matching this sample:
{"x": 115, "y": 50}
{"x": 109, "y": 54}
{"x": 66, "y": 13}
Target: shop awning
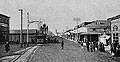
{"x": 105, "y": 36}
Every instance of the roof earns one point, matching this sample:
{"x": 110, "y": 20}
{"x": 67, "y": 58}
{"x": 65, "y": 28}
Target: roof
{"x": 17, "y": 31}
{"x": 79, "y": 26}
{"x": 113, "y": 18}
{"x": 82, "y": 25}
{"x": 99, "y": 24}
{"x": 4, "y": 15}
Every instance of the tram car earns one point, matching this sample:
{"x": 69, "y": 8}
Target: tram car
{"x": 41, "y": 39}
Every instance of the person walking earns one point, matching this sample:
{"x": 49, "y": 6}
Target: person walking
{"x": 91, "y": 47}
{"x": 103, "y": 47}
{"x": 93, "y": 43}
{"x": 96, "y": 46}
{"x": 100, "y": 46}
{"x": 87, "y": 44}
{"x": 114, "y": 48}
{"x": 7, "y": 47}
{"x": 62, "y": 44}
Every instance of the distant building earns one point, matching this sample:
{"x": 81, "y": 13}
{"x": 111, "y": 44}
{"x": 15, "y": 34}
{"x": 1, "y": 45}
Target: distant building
{"x": 4, "y": 28}
{"x": 15, "y": 35}
{"x": 77, "y": 29}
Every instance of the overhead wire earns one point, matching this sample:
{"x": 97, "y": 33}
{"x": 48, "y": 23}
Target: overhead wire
{"x": 11, "y": 12}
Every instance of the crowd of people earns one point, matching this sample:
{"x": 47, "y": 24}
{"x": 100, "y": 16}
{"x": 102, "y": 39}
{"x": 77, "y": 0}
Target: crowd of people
{"x": 91, "y": 47}
{"x": 99, "y": 46}
{"x": 95, "y": 46}
{"x": 115, "y": 49}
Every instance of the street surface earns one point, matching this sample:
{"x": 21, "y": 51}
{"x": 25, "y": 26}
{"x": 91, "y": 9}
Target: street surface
{"x": 72, "y": 53}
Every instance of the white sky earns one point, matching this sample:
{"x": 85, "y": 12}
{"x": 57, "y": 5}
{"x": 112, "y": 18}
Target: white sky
{"x": 58, "y": 14}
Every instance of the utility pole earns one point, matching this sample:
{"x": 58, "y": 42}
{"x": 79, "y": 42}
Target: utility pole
{"x": 63, "y": 33}
{"x": 28, "y": 23}
{"x": 21, "y": 26}
{"x": 28, "y": 29}
{"x": 77, "y": 32}
{"x": 77, "y": 20}
{"x": 56, "y": 32}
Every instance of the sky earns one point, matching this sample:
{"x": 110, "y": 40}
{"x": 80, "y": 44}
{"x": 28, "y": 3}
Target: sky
{"x": 58, "y": 14}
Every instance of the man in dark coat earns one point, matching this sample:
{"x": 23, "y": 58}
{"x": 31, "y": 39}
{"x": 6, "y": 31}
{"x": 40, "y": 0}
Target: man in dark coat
{"x": 62, "y": 44}
{"x": 103, "y": 47}
{"x": 100, "y": 47}
{"x": 91, "y": 47}
{"x": 7, "y": 47}
{"x": 87, "y": 44}
{"x": 114, "y": 48}
{"x": 96, "y": 45}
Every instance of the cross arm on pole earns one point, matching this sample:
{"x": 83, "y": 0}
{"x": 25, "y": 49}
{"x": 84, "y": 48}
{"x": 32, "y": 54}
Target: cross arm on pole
{"x": 33, "y": 21}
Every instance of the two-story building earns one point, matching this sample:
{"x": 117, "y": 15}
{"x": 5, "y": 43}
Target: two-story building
{"x": 95, "y": 29}
{"x": 100, "y": 26}
{"x": 115, "y": 28}
{"x": 4, "y": 28}
{"x": 74, "y": 33}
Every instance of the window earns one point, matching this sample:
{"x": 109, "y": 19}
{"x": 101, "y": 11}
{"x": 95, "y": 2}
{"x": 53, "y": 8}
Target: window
{"x": 117, "y": 34}
{"x": 97, "y": 23}
{"x": 94, "y": 29}
{"x": 105, "y": 28}
{"x": 101, "y": 23}
{"x": 115, "y": 37}
{"x": 0, "y": 19}
{"x": 115, "y": 28}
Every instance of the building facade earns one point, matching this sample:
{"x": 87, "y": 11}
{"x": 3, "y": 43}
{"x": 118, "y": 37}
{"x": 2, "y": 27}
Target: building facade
{"x": 115, "y": 28}
{"x": 95, "y": 29}
{"x": 15, "y": 35}
{"x": 4, "y": 28}
{"x": 100, "y": 26}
